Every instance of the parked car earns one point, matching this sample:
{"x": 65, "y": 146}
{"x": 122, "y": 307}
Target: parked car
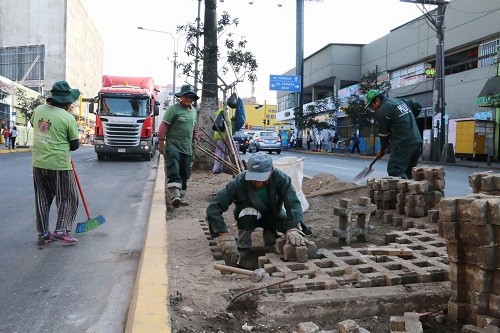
{"x": 265, "y": 140}
{"x": 242, "y": 139}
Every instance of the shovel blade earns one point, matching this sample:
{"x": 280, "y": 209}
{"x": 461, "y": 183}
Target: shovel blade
{"x": 362, "y": 175}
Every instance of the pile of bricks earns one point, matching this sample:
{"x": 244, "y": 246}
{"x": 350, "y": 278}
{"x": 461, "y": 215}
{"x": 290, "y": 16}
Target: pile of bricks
{"x": 414, "y": 197}
{"x": 383, "y": 191}
{"x": 421, "y": 194}
{"x": 471, "y": 227}
{"x": 354, "y": 219}
{"x": 485, "y": 182}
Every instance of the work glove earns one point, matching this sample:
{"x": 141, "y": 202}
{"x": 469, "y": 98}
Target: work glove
{"x": 226, "y": 244}
{"x": 296, "y": 237}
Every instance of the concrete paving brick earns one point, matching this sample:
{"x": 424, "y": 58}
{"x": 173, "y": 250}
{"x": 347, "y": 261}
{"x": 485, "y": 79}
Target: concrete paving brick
{"x": 474, "y": 329}
{"x": 348, "y": 326}
{"x": 485, "y": 257}
{"x": 308, "y": 327}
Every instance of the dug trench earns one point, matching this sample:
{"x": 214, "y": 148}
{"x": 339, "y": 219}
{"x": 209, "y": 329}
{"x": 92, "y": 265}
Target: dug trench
{"x": 344, "y": 281}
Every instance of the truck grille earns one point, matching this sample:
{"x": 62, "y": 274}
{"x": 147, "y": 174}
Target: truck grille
{"x": 122, "y": 135}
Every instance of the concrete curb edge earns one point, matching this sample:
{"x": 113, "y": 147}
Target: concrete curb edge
{"x": 149, "y": 306}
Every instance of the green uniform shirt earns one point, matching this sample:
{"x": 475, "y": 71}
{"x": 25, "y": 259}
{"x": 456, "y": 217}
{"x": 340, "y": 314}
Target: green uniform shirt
{"x": 53, "y": 128}
{"x": 396, "y": 124}
{"x": 180, "y": 132}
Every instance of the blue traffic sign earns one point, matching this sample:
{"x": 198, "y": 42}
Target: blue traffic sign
{"x": 285, "y": 83}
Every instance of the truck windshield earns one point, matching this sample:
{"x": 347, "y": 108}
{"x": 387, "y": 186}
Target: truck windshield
{"x": 124, "y": 107}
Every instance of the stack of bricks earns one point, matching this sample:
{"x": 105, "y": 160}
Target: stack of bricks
{"x": 383, "y": 191}
{"x": 485, "y": 182}
{"x": 354, "y": 219}
{"x": 421, "y": 194}
{"x": 471, "y": 227}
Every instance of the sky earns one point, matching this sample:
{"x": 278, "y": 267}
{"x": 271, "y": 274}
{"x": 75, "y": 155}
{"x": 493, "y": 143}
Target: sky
{"x": 267, "y": 25}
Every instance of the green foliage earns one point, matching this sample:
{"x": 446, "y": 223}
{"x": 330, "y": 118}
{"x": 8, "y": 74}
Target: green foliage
{"x": 355, "y": 110}
{"x": 308, "y": 119}
{"x": 359, "y": 116}
{"x": 26, "y": 105}
{"x": 237, "y": 63}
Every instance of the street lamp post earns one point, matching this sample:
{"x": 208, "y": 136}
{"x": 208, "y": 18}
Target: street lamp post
{"x": 176, "y": 49}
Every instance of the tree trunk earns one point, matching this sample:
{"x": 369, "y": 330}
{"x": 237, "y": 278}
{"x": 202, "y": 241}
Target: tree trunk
{"x": 209, "y": 101}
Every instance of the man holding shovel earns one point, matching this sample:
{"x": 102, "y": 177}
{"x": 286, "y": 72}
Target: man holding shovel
{"x": 55, "y": 135}
{"x": 264, "y": 197}
{"x": 397, "y": 127}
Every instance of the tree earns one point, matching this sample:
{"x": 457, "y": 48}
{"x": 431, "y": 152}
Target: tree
{"x": 238, "y": 65}
{"x": 308, "y": 119}
{"x": 358, "y": 115}
{"x": 26, "y": 105}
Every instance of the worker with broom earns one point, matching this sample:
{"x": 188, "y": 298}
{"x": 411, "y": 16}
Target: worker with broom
{"x": 397, "y": 127}
{"x": 264, "y": 197}
{"x": 55, "y": 135}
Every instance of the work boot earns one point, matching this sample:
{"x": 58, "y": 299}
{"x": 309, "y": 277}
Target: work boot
{"x": 184, "y": 199}
{"x": 269, "y": 237}
{"x": 175, "y": 197}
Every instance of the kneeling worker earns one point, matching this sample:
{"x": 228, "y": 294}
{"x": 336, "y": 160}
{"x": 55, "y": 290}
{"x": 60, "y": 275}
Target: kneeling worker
{"x": 264, "y": 197}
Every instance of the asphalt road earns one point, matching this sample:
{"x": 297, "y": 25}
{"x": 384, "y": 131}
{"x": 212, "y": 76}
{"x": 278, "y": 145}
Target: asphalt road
{"x": 346, "y": 167}
{"x": 64, "y": 288}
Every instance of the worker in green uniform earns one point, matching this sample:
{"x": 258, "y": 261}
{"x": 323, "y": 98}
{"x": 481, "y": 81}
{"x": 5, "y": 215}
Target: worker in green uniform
{"x": 175, "y": 134}
{"x": 264, "y": 197}
{"x": 397, "y": 127}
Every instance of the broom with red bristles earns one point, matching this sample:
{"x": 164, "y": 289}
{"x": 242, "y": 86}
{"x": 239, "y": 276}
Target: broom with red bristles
{"x": 91, "y": 223}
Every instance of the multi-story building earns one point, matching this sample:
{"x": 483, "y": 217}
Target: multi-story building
{"x": 44, "y": 41}
{"x": 405, "y": 57}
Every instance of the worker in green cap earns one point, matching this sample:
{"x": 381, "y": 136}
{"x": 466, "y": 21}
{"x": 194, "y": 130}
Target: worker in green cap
{"x": 397, "y": 127}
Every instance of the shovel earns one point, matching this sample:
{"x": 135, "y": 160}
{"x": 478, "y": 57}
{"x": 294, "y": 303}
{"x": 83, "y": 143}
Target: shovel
{"x": 366, "y": 172}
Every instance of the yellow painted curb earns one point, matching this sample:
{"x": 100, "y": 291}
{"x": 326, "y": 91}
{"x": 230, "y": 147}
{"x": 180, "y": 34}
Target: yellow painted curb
{"x": 148, "y": 309}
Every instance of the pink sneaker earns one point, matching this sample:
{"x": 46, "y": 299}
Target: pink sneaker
{"x": 63, "y": 237}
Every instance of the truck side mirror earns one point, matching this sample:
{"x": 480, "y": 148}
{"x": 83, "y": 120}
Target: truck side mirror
{"x": 91, "y": 107}
{"x": 156, "y": 111}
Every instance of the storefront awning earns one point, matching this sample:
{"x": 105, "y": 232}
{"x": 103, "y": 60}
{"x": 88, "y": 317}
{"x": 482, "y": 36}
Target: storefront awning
{"x": 490, "y": 94}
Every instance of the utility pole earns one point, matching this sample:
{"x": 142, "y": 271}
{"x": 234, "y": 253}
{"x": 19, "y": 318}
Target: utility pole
{"x": 438, "y": 100}
{"x": 299, "y": 53}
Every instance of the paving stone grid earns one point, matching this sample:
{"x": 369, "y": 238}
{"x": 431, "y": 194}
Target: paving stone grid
{"x": 354, "y": 268}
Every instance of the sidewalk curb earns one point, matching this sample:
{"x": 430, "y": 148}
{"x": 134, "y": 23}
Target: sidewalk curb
{"x": 149, "y": 306}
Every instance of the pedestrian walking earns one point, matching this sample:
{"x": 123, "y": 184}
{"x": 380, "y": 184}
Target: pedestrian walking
{"x": 355, "y": 143}
{"x": 6, "y": 137}
{"x": 55, "y": 135}
{"x": 318, "y": 142}
{"x": 397, "y": 127}
{"x": 176, "y": 133}
{"x": 13, "y": 137}
{"x": 309, "y": 139}
{"x": 335, "y": 141}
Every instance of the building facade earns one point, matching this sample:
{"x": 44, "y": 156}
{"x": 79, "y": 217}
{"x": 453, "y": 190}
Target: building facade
{"x": 44, "y": 41}
{"x": 406, "y": 56}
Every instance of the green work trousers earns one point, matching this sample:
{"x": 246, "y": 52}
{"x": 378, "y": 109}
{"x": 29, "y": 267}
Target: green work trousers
{"x": 177, "y": 168}
{"x": 402, "y": 160}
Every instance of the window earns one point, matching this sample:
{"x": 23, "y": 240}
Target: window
{"x": 488, "y": 49}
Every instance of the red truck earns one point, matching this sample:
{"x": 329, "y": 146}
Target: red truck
{"x": 127, "y": 108}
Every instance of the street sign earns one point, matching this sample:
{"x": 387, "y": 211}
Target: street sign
{"x": 285, "y": 83}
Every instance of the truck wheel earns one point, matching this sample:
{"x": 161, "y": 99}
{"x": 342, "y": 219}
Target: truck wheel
{"x": 147, "y": 157}
{"x": 101, "y": 157}
{"x": 244, "y": 151}
{"x": 278, "y": 151}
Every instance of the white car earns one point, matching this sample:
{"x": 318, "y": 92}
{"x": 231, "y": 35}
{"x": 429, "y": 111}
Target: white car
{"x": 265, "y": 141}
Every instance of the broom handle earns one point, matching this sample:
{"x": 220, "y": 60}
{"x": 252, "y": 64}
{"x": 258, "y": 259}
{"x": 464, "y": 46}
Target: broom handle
{"x": 80, "y": 189}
